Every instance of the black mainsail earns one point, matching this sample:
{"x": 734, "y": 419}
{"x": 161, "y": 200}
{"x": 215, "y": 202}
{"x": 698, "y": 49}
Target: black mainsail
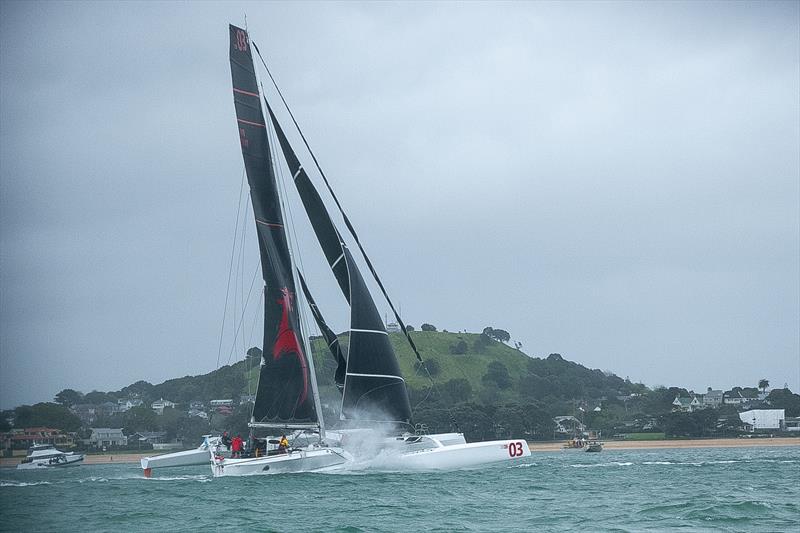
{"x": 374, "y": 389}
{"x": 285, "y": 394}
{"x": 330, "y": 337}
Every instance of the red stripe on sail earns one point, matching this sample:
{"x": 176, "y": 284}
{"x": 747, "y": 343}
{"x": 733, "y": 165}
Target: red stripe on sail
{"x": 248, "y": 93}
{"x": 251, "y": 123}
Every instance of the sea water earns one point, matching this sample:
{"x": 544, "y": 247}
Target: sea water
{"x": 721, "y": 489}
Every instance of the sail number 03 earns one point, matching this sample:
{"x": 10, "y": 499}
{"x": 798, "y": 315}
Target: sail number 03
{"x": 515, "y": 449}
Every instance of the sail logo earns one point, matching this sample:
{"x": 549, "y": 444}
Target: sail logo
{"x": 241, "y": 41}
{"x": 287, "y": 343}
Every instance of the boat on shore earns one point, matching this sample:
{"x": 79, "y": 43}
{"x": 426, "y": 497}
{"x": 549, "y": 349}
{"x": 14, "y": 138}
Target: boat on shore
{"x": 43, "y": 456}
{"x": 593, "y": 446}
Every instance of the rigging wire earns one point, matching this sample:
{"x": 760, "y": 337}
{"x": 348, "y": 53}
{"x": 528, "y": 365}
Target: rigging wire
{"x": 350, "y": 228}
{"x": 256, "y": 316}
{"x": 230, "y": 269}
{"x": 242, "y": 263}
{"x": 241, "y": 319}
{"x": 341, "y": 210}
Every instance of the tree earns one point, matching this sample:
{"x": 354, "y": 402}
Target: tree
{"x": 459, "y": 348}
{"x": 96, "y": 397}
{"x": 497, "y": 373}
{"x": 763, "y": 384}
{"x": 6, "y": 417}
{"x": 497, "y": 334}
{"x": 481, "y": 343}
{"x": 785, "y": 399}
{"x": 431, "y": 364}
{"x": 428, "y": 327}
{"x": 409, "y": 328}
{"x": 69, "y": 397}
{"x": 46, "y": 414}
{"x": 254, "y": 354}
{"x": 456, "y": 391}
{"x": 140, "y": 419}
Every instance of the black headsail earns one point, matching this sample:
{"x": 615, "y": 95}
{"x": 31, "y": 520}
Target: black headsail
{"x": 285, "y": 392}
{"x": 374, "y": 389}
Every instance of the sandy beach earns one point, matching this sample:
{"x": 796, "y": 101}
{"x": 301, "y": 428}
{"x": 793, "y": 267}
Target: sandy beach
{"x": 122, "y": 458}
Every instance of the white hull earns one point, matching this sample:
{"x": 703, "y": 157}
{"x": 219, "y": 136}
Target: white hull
{"x": 311, "y": 459}
{"x": 63, "y": 461}
{"x": 435, "y": 452}
{"x": 198, "y": 456}
{"x": 441, "y": 451}
{"x": 186, "y": 458}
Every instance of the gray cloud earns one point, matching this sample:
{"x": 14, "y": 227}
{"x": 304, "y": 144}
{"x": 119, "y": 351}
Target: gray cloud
{"x": 615, "y": 182}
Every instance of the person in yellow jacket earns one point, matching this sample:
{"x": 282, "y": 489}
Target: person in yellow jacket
{"x": 283, "y": 444}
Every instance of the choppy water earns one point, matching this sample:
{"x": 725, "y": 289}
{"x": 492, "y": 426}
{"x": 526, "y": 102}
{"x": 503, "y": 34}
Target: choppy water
{"x": 740, "y": 489}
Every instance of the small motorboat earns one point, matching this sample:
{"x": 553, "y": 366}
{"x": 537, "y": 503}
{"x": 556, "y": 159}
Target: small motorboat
{"x": 46, "y": 456}
{"x": 593, "y": 446}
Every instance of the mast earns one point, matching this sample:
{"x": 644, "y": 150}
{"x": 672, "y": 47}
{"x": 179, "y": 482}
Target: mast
{"x": 286, "y": 395}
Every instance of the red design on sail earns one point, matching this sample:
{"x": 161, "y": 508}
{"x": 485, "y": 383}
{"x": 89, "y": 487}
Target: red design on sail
{"x": 287, "y": 342}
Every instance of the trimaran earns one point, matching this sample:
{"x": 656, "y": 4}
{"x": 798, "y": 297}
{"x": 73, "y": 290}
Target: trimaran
{"x": 375, "y": 406}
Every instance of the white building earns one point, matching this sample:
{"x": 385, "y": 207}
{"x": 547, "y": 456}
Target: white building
{"x": 735, "y": 398}
{"x": 712, "y": 398}
{"x": 764, "y": 418}
{"x": 221, "y": 403}
{"x": 102, "y": 437}
{"x": 686, "y": 405}
{"x": 159, "y": 405}
{"x": 126, "y": 404}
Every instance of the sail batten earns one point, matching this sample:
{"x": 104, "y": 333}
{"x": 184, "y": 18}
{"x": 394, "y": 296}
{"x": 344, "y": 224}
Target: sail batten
{"x": 285, "y": 389}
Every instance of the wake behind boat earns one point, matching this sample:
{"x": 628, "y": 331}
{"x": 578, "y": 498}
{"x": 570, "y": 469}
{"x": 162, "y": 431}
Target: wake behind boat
{"x": 44, "y": 456}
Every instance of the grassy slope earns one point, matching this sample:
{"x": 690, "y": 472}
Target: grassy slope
{"x": 433, "y": 345}
{"x": 436, "y": 346}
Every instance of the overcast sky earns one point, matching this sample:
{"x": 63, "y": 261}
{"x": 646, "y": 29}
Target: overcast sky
{"x": 615, "y": 182}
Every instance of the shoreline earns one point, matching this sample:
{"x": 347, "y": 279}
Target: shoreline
{"x": 535, "y": 447}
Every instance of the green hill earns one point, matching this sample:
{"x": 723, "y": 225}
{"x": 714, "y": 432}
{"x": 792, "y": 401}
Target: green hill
{"x": 436, "y": 349}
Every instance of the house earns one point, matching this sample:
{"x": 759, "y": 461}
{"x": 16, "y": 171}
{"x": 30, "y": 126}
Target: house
{"x": 712, "y": 398}
{"x": 107, "y": 409}
{"x": 568, "y": 425}
{"x": 734, "y": 398}
{"x": 392, "y": 327}
{"x": 198, "y": 413}
{"x": 686, "y": 405}
{"x": 197, "y": 404}
{"x": 21, "y": 439}
{"x": 764, "y": 419}
{"x": 103, "y": 437}
{"x": 148, "y": 437}
{"x": 221, "y": 403}
{"x": 792, "y": 424}
{"x": 159, "y": 405}
{"x": 87, "y": 412}
{"x": 126, "y": 404}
